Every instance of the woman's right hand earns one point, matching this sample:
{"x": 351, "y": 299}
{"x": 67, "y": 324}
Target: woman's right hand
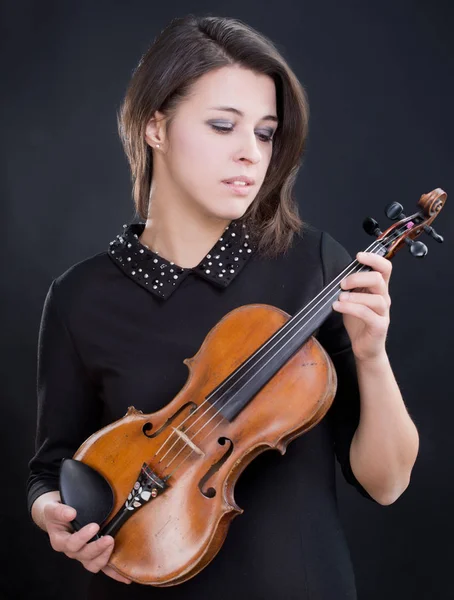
{"x": 93, "y": 555}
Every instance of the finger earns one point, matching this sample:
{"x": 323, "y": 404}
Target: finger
{"x": 112, "y": 573}
{"x": 94, "y": 549}
{"x": 78, "y": 540}
{"x": 372, "y": 280}
{"x": 58, "y": 538}
{"x": 375, "y": 322}
{"x": 56, "y": 513}
{"x": 376, "y": 302}
{"x": 98, "y": 563}
{"x": 57, "y": 517}
{"x": 377, "y": 262}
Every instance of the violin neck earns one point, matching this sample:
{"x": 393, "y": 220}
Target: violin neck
{"x": 309, "y": 318}
{"x": 249, "y": 378}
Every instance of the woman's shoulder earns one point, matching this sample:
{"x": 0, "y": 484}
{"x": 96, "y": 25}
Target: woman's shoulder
{"x": 319, "y": 244}
{"x": 82, "y": 278}
{"x": 317, "y": 253}
{"x": 327, "y": 242}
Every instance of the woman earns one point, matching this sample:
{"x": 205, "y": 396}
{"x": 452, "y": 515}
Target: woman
{"x": 213, "y": 102}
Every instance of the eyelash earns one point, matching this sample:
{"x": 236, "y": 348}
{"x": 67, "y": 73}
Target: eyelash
{"x": 227, "y": 129}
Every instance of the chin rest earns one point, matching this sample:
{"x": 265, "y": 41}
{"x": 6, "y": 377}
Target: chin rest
{"x": 87, "y": 491}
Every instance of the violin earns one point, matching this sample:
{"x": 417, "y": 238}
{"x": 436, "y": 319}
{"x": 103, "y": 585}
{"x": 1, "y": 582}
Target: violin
{"x": 163, "y": 483}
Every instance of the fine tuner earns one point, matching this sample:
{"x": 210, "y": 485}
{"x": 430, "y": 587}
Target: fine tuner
{"x": 394, "y": 211}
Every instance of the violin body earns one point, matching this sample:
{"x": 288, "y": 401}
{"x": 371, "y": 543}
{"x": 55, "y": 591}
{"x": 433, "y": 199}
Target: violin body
{"x": 174, "y": 536}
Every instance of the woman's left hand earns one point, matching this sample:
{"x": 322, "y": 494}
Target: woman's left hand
{"x": 366, "y": 310}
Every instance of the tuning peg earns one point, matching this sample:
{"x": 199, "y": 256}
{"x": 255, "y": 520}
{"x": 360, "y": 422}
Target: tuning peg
{"x": 371, "y": 227}
{"x": 417, "y": 249}
{"x": 431, "y": 231}
{"x": 394, "y": 211}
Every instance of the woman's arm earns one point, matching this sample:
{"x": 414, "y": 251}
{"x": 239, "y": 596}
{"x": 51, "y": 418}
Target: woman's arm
{"x": 68, "y": 405}
{"x": 386, "y": 443}
{"x": 68, "y": 412}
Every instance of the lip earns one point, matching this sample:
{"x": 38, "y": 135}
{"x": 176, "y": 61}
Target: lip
{"x": 247, "y": 180}
{"x": 239, "y": 190}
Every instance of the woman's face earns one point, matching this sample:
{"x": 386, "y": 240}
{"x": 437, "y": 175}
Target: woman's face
{"x": 196, "y": 158}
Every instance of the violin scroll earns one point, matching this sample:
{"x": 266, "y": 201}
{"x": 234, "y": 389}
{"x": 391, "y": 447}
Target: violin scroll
{"x": 407, "y": 229}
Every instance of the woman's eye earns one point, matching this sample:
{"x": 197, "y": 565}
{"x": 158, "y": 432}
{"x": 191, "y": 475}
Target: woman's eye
{"x": 262, "y": 137}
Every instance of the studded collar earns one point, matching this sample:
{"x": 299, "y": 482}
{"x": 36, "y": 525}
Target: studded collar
{"x": 162, "y": 277}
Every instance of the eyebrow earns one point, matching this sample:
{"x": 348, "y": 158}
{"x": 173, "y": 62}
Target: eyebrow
{"x": 241, "y": 114}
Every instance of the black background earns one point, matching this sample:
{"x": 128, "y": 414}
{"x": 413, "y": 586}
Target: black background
{"x": 379, "y": 76}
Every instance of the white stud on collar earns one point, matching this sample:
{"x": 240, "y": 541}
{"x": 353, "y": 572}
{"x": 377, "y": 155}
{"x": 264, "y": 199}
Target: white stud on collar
{"x": 129, "y": 254}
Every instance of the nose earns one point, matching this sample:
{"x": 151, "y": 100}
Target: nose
{"x": 249, "y": 149}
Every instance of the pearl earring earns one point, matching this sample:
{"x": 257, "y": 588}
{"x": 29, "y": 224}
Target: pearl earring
{"x": 157, "y": 145}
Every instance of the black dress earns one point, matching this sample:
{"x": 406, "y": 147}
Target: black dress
{"x": 115, "y": 330}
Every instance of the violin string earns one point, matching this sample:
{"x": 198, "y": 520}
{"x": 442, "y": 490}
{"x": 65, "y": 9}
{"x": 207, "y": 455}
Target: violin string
{"x": 213, "y": 428}
{"x": 355, "y": 264}
{"x": 326, "y": 291}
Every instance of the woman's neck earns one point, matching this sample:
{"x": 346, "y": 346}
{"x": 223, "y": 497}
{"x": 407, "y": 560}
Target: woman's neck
{"x": 184, "y": 241}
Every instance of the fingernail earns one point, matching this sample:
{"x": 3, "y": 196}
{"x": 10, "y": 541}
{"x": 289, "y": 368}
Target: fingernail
{"x": 69, "y": 514}
{"x": 343, "y": 295}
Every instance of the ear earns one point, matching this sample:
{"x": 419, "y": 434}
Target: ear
{"x": 155, "y": 130}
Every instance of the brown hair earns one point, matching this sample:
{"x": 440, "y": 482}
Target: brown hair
{"x": 186, "y": 49}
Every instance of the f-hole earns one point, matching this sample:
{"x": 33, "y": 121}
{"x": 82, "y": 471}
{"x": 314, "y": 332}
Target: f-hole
{"x": 211, "y": 492}
{"x": 149, "y": 426}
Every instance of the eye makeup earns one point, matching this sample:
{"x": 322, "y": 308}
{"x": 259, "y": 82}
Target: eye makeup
{"x": 223, "y": 129}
